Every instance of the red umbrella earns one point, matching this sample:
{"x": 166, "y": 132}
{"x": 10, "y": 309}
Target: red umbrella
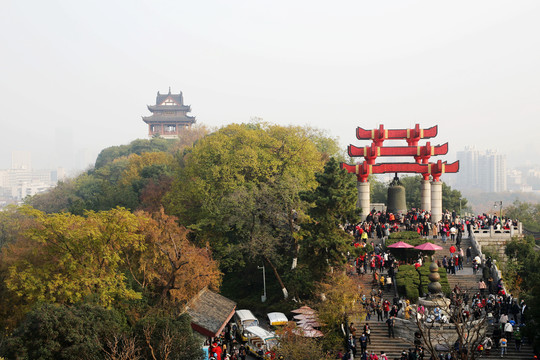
{"x": 400, "y": 245}
{"x": 452, "y": 249}
{"x": 428, "y": 246}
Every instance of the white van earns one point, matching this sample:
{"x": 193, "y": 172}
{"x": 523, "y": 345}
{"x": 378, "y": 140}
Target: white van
{"x": 277, "y": 319}
{"x": 260, "y": 342}
{"x": 244, "y": 319}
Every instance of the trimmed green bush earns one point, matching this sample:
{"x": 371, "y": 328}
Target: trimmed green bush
{"x": 413, "y": 283}
{"x": 404, "y": 236}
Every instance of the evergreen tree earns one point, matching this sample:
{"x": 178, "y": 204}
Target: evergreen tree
{"x": 333, "y": 206}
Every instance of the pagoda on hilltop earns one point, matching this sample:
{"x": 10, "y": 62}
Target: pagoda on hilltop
{"x": 169, "y": 116}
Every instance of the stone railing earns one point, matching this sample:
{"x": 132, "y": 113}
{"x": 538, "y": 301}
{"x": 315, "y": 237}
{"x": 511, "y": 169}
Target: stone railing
{"x": 495, "y": 272}
{"x": 492, "y": 232}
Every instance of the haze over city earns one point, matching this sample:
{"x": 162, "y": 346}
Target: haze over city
{"x": 77, "y": 76}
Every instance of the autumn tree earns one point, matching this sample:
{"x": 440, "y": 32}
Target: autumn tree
{"x": 166, "y": 265}
{"x": 338, "y": 296}
{"x": 295, "y": 347}
{"x": 64, "y": 258}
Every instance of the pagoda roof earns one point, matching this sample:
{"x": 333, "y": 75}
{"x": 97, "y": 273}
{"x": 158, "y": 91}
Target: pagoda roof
{"x": 156, "y": 118}
{"x": 153, "y": 108}
{"x": 178, "y": 98}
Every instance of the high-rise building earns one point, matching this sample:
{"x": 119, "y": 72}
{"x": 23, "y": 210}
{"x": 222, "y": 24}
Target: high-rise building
{"x": 485, "y": 171}
{"x": 169, "y": 116}
{"x": 468, "y": 172}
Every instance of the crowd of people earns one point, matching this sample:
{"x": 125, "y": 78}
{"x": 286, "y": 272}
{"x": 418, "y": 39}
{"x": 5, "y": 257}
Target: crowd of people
{"x": 490, "y": 303}
{"x": 380, "y": 224}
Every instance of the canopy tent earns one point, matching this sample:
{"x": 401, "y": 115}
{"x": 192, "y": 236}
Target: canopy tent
{"x": 304, "y": 310}
{"x": 307, "y": 332}
{"x": 308, "y": 322}
{"x": 305, "y": 317}
{"x": 400, "y": 245}
{"x": 428, "y": 246}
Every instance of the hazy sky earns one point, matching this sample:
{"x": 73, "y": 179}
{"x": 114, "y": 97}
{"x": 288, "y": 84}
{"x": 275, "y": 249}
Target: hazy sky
{"x": 77, "y": 75}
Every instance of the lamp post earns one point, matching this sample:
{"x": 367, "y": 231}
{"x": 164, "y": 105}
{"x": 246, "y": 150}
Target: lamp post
{"x": 499, "y": 204}
{"x": 263, "y": 297}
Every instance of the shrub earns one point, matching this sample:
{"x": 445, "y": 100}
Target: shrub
{"x": 413, "y": 283}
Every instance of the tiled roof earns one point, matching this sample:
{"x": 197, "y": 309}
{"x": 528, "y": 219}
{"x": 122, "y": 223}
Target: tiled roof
{"x": 177, "y": 98}
{"x": 210, "y": 311}
{"x": 154, "y": 118}
{"x": 185, "y": 108}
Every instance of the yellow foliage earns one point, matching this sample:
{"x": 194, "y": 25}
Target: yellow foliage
{"x": 138, "y": 162}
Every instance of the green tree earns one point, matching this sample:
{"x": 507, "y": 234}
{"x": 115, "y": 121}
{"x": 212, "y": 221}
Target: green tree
{"x": 527, "y": 213}
{"x": 523, "y": 279}
{"x": 227, "y": 170}
{"x": 333, "y": 205}
{"x": 63, "y": 332}
{"x": 452, "y": 199}
{"x": 412, "y": 190}
{"x": 164, "y": 337}
{"x": 139, "y": 146}
{"x": 378, "y": 190}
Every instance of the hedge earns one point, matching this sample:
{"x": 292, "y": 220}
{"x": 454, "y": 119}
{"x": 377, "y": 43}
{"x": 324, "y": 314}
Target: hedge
{"x": 412, "y": 283}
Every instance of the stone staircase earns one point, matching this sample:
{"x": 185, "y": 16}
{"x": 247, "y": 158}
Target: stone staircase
{"x": 525, "y": 353}
{"x": 379, "y": 330}
{"x": 464, "y": 278}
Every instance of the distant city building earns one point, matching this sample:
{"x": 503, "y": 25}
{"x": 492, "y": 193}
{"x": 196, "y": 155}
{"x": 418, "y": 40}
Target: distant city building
{"x": 169, "y": 116}
{"x": 485, "y": 171}
{"x": 21, "y": 160}
{"x": 21, "y": 180}
{"x": 515, "y": 180}
{"x": 468, "y": 163}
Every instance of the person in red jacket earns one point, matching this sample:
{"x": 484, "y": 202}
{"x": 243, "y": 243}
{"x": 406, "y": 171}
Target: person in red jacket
{"x": 215, "y": 350}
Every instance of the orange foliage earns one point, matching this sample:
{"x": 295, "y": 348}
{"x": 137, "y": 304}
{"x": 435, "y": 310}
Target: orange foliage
{"x": 170, "y": 265}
